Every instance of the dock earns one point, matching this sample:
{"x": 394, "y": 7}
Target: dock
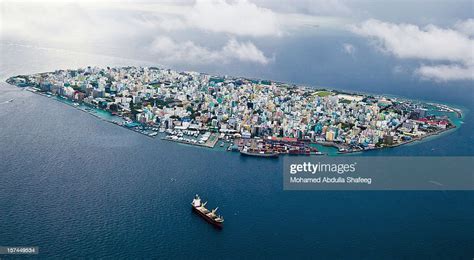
{"x": 209, "y": 143}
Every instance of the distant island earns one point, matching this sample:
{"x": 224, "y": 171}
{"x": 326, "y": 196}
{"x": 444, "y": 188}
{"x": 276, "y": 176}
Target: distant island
{"x": 254, "y": 117}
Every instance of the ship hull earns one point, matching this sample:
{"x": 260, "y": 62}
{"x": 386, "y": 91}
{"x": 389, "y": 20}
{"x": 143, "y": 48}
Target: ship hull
{"x": 267, "y": 155}
{"x": 208, "y": 219}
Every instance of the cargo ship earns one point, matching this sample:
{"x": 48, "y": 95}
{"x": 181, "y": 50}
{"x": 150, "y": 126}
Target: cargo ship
{"x": 209, "y": 216}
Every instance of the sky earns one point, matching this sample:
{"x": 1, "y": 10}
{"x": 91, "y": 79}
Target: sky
{"x": 430, "y": 41}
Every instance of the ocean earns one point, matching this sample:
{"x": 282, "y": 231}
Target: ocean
{"x": 76, "y": 186}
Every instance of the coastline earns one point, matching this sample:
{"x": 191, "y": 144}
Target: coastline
{"x": 413, "y": 140}
{"x": 341, "y": 147}
{"x": 61, "y": 100}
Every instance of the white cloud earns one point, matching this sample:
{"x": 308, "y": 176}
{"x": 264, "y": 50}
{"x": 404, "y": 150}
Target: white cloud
{"x": 446, "y": 72}
{"x": 169, "y": 50}
{"x": 348, "y": 48}
{"x": 97, "y": 25}
{"x": 430, "y": 43}
{"x": 240, "y": 18}
{"x": 411, "y": 41}
{"x": 466, "y": 27}
{"x": 244, "y": 51}
{"x": 94, "y": 28}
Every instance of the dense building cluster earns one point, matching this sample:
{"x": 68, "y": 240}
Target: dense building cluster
{"x": 241, "y": 108}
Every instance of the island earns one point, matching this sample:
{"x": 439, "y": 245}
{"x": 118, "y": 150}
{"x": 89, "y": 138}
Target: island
{"x": 254, "y": 117}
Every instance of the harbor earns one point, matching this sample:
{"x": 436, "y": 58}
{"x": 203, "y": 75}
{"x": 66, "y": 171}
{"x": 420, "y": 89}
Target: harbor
{"x": 207, "y": 139}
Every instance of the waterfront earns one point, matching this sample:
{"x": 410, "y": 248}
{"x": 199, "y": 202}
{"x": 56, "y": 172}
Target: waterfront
{"x": 259, "y": 117}
{"x": 77, "y": 186}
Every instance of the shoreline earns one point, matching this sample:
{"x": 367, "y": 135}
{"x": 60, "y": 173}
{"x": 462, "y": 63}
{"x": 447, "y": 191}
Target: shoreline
{"x": 212, "y": 143}
{"x": 413, "y": 140}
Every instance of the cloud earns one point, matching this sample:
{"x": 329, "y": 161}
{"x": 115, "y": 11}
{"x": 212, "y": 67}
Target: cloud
{"x": 169, "y": 50}
{"x": 69, "y": 24}
{"x": 240, "y": 18}
{"x": 244, "y": 51}
{"x": 314, "y": 7}
{"x": 122, "y": 27}
{"x": 260, "y": 18}
{"x": 348, "y": 48}
{"x": 446, "y": 72}
{"x": 466, "y": 27}
{"x": 122, "y": 24}
{"x": 411, "y": 41}
{"x": 429, "y": 43}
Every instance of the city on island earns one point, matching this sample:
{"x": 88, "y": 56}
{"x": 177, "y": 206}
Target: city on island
{"x": 254, "y": 117}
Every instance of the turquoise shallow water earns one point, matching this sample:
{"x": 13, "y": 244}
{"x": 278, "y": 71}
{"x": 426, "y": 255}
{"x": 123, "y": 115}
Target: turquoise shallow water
{"x": 77, "y": 186}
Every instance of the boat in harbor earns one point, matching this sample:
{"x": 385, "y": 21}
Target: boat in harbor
{"x": 209, "y": 215}
{"x": 258, "y": 152}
